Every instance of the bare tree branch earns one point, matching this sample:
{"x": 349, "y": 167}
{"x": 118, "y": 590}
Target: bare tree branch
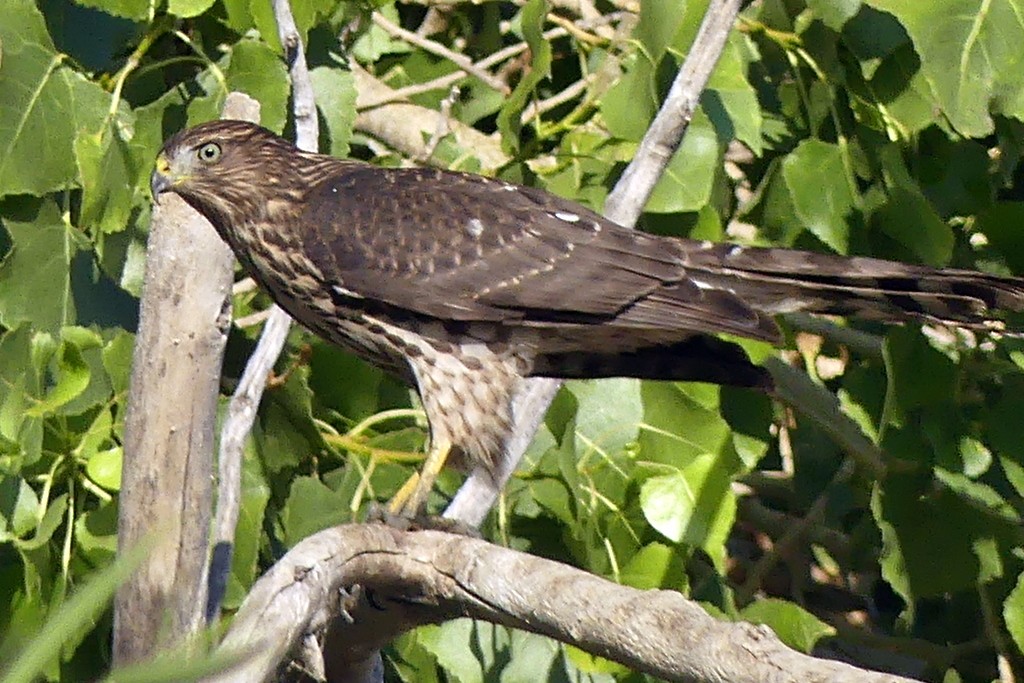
{"x": 168, "y": 447}
{"x": 405, "y": 126}
{"x": 464, "y": 62}
{"x": 626, "y": 201}
{"x": 246, "y": 399}
{"x": 427, "y": 576}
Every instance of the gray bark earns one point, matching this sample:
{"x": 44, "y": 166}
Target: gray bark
{"x": 166, "y": 489}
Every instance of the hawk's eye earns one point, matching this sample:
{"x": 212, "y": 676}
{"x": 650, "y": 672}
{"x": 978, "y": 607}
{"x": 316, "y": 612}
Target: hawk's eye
{"x": 209, "y": 153}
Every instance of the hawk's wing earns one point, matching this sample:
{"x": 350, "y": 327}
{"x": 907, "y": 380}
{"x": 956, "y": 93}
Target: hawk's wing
{"x": 462, "y": 247}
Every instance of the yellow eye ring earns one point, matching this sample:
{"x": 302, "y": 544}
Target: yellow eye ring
{"x": 209, "y": 153}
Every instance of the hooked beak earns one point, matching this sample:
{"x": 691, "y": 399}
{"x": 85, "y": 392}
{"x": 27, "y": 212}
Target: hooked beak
{"x": 161, "y": 180}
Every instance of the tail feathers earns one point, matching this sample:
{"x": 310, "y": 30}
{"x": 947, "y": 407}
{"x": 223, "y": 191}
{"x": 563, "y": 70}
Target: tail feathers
{"x": 785, "y": 280}
{"x": 699, "y": 358}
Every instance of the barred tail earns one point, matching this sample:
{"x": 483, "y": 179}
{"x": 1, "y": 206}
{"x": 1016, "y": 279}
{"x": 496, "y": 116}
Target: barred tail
{"x": 785, "y": 280}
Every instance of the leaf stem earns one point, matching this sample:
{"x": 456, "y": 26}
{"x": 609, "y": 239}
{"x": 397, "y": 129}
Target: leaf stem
{"x": 156, "y": 30}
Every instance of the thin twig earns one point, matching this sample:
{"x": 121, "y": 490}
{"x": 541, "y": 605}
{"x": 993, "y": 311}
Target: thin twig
{"x": 573, "y": 27}
{"x": 793, "y": 535}
{"x": 663, "y": 137}
{"x": 307, "y": 130}
{"x": 253, "y": 319}
{"x": 446, "y": 81}
{"x": 540, "y": 107}
{"x": 246, "y": 284}
{"x": 433, "y": 47}
{"x": 443, "y": 124}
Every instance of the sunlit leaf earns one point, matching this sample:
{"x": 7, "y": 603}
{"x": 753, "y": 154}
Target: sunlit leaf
{"x": 968, "y": 52}
{"x": 687, "y": 181}
{"x": 819, "y": 184}
{"x": 37, "y": 126}
{"x": 532, "y": 24}
{"x": 188, "y": 8}
{"x": 336, "y": 99}
{"x": 34, "y": 279}
{"x": 794, "y": 625}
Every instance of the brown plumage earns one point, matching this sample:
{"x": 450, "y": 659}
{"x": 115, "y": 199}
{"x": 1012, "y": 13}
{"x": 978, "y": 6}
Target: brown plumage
{"x": 464, "y": 285}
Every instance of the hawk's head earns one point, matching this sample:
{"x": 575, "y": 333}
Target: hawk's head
{"x": 223, "y": 168}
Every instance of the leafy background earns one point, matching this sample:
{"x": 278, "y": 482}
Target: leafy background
{"x": 881, "y": 525}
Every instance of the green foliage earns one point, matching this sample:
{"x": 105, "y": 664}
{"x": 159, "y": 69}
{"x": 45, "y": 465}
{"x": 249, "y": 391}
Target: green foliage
{"x": 890, "y": 128}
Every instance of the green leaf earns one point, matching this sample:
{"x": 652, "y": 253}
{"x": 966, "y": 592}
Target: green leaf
{"x": 590, "y": 665}
{"x": 631, "y": 104}
{"x": 287, "y": 434}
{"x": 96, "y": 534}
{"x": 977, "y": 458}
{"x": 375, "y": 42}
{"x": 310, "y": 12}
{"x": 117, "y": 360}
{"x": 695, "y": 505}
{"x": 188, "y": 8}
{"x": 73, "y": 377}
{"x": 104, "y": 468}
{"x": 730, "y": 101}
{"x": 834, "y": 13}
{"x": 980, "y": 495}
{"x": 920, "y": 522}
{"x": 335, "y": 93}
{"x": 554, "y": 496}
{"x": 1013, "y": 613}
{"x": 109, "y": 179}
{"x": 907, "y": 216}
{"x": 921, "y": 375}
{"x": 677, "y": 428}
{"x": 129, "y": 9}
{"x": 531, "y": 658}
{"x": 608, "y": 415}
{"x": 258, "y": 71}
{"x": 1001, "y": 223}
{"x": 78, "y": 611}
{"x": 689, "y": 177}
{"x": 969, "y": 53}
{"x": 248, "y": 532}
{"x": 311, "y": 507}
{"x": 21, "y": 389}
{"x": 794, "y": 625}
{"x": 655, "y": 565}
{"x": 816, "y": 179}
{"x": 51, "y": 520}
{"x": 532, "y": 18}
{"x": 99, "y": 389}
{"x": 19, "y": 507}
{"x": 35, "y": 285}
{"x": 820, "y": 405}
{"x": 37, "y": 123}
{"x": 451, "y": 644}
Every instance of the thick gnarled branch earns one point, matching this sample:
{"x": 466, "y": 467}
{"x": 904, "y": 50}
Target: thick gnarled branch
{"x": 428, "y": 576}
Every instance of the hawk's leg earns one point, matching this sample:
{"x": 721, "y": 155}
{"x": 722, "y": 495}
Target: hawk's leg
{"x": 411, "y": 499}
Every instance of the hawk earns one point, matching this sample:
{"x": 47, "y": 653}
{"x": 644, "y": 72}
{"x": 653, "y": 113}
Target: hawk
{"x": 462, "y": 286}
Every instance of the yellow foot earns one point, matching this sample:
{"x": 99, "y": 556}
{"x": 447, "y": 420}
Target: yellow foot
{"x": 411, "y": 500}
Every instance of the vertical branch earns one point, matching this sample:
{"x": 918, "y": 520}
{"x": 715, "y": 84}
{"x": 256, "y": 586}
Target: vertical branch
{"x": 242, "y": 408}
{"x": 627, "y": 199}
{"x": 623, "y": 205}
{"x": 168, "y": 443}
